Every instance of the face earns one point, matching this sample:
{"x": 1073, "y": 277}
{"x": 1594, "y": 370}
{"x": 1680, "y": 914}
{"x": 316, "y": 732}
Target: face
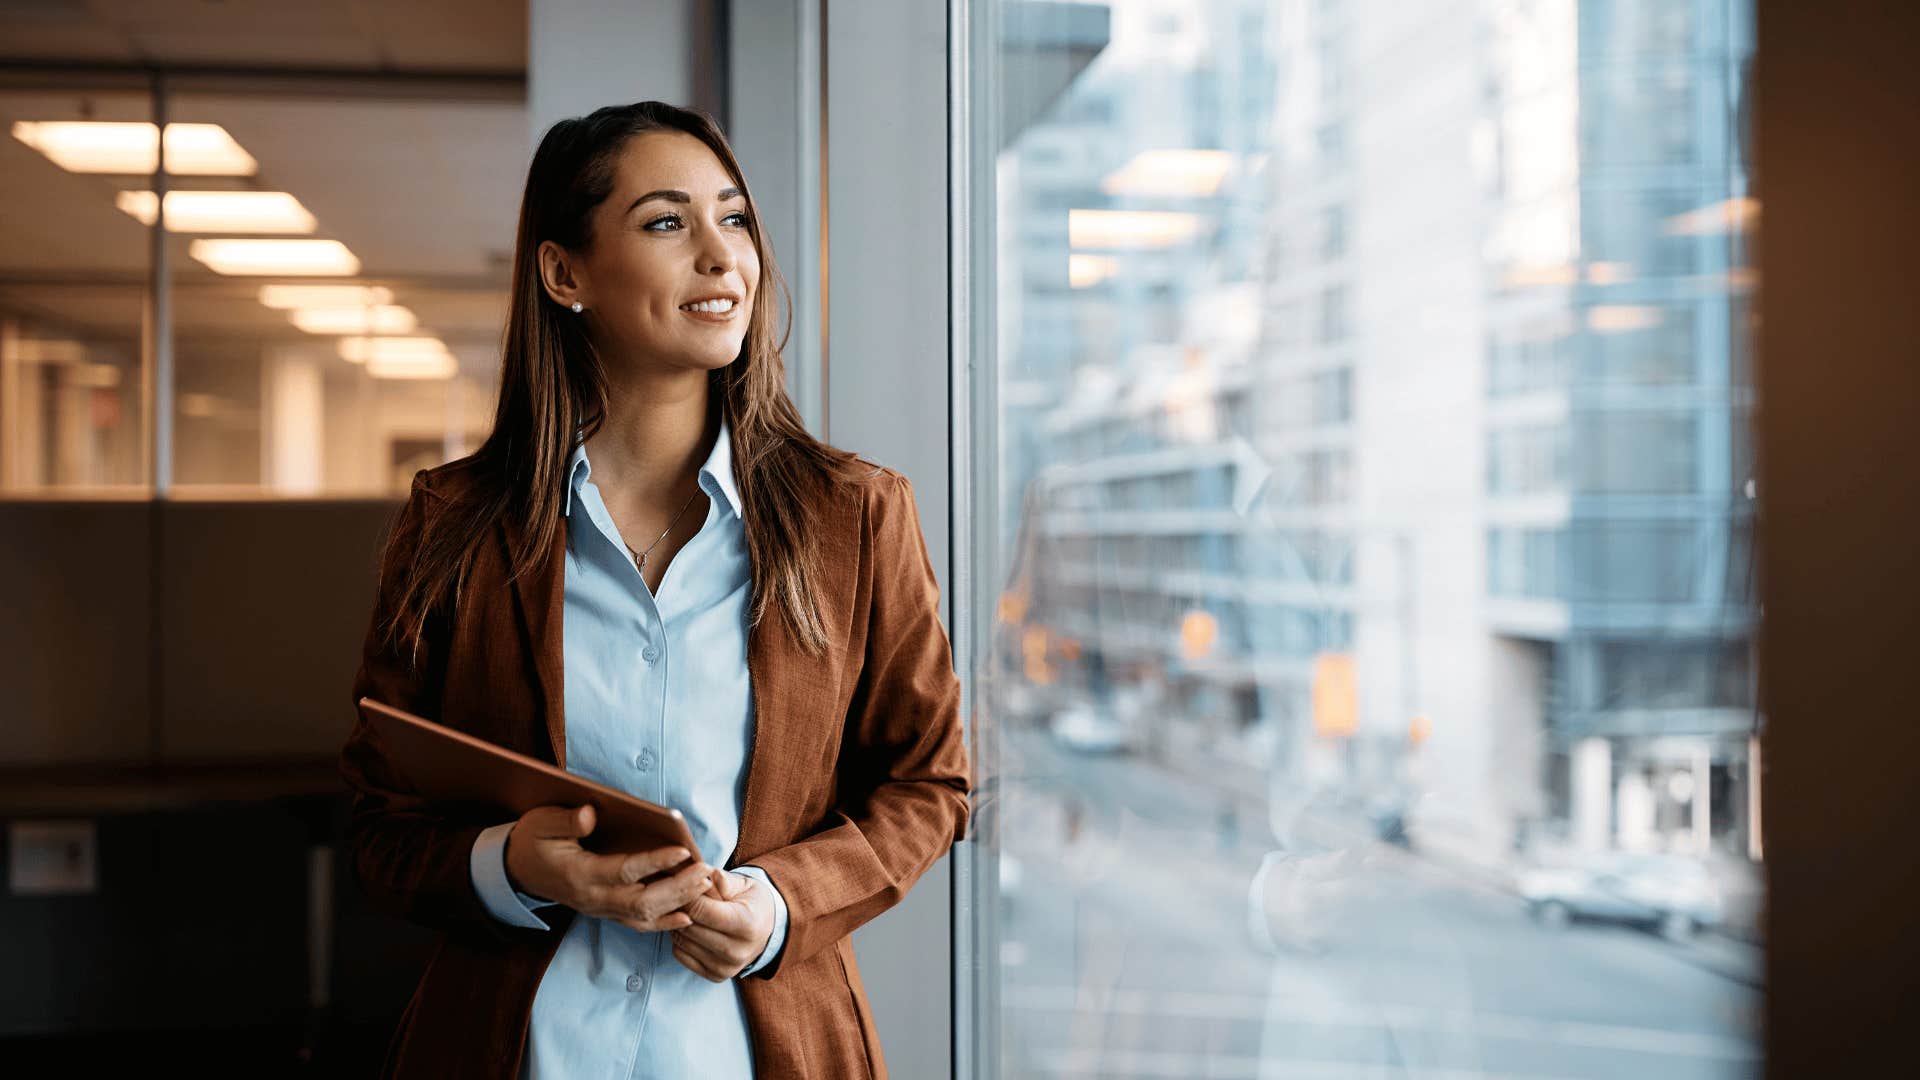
{"x": 673, "y": 234}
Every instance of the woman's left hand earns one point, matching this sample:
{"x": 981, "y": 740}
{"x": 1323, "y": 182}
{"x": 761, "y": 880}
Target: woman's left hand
{"x": 731, "y": 925}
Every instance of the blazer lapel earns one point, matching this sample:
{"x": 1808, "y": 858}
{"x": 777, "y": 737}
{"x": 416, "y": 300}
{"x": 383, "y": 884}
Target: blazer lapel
{"x": 795, "y": 692}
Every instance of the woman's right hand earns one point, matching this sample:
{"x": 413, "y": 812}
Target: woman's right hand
{"x": 545, "y": 859}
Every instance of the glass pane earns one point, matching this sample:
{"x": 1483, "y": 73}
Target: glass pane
{"x": 73, "y": 287}
{"x": 1363, "y": 683}
{"x": 346, "y": 380}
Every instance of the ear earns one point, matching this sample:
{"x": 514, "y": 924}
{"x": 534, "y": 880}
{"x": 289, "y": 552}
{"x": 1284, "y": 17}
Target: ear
{"x": 559, "y": 274}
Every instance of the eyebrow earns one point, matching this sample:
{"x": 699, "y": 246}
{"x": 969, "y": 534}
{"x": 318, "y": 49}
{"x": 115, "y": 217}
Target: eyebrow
{"x": 675, "y": 195}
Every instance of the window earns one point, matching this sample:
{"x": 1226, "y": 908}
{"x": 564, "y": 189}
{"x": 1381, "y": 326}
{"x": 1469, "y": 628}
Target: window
{"x": 1470, "y": 599}
{"x": 1646, "y": 230}
{"x": 1526, "y": 562}
{"x": 1635, "y": 562}
{"x": 1526, "y": 461}
{"x": 1654, "y": 347}
{"x": 73, "y": 409}
{"x": 1636, "y": 453}
{"x": 1639, "y": 116}
{"x": 1529, "y": 357}
{"x": 286, "y": 383}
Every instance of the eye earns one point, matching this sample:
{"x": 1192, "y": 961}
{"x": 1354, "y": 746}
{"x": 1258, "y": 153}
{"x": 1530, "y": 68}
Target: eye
{"x": 662, "y": 220}
{"x": 740, "y": 216}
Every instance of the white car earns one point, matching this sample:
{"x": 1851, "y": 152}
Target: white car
{"x": 1090, "y": 731}
{"x": 1674, "y": 893}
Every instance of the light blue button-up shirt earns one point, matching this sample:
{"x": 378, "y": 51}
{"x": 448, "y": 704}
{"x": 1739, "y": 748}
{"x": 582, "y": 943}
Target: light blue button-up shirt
{"x": 658, "y": 704}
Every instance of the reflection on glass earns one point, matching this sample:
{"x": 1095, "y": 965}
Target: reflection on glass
{"x": 341, "y": 361}
{"x": 72, "y": 296}
{"x": 332, "y": 331}
{"x": 1366, "y": 689}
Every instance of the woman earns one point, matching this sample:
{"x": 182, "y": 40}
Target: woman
{"x": 652, "y": 575}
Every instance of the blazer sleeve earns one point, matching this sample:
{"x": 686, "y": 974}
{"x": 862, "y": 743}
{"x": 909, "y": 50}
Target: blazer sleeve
{"x": 904, "y": 778}
{"x": 410, "y": 859}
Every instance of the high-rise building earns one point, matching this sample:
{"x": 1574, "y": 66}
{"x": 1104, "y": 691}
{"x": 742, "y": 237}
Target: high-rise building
{"x": 1409, "y": 345}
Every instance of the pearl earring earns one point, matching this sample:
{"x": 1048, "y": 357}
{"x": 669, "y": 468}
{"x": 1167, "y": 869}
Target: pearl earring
{"x": 576, "y": 307}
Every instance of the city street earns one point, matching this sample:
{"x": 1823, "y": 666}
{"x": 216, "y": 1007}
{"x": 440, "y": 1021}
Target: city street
{"x": 1128, "y": 951}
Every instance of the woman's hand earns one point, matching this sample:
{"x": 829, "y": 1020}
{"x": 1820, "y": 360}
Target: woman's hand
{"x": 545, "y": 859}
{"x": 730, "y": 928}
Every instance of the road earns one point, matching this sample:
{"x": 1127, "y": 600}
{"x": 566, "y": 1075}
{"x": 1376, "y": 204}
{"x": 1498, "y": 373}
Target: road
{"x": 1128, "y": 950}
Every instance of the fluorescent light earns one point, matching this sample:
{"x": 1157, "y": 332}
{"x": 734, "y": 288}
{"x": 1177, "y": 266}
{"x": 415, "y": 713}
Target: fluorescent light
{"x": 1129, "y": 228}
{"x": 1170, "y": 172}
{"x": 360, "y": 350}
{"x": 222, "y": 211}
{"x": 325, "y": 258}
{"x": 380, "y": 319}
{"x": 1088, "y": 270}
{"x": 1732, "y": 215}
{"x": 1620, "y": 318}
{"x": 420, "y": 367}
{"x": 89, "y": 146}
{"x": 287, "y": 297}
{"x": 401, "y": 357}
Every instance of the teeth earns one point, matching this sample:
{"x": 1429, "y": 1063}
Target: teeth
{"x": 714, "y": 306}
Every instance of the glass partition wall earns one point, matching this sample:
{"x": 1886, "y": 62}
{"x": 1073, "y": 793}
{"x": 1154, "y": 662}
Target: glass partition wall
{"x": 328, "y": 296}
{"x": 1361, "y": 668}
{"x": 73, "y": 300}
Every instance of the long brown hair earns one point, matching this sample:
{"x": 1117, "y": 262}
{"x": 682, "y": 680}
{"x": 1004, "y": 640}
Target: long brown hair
{"x": 553, "y": 384}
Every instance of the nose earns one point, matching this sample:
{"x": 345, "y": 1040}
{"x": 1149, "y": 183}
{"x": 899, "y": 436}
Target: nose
{"x": 715, "y": 255}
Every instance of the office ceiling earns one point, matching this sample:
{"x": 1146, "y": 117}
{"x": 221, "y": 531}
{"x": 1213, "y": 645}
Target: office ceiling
{"x": 373, "y": 35}
{"x": 419, "y": 178}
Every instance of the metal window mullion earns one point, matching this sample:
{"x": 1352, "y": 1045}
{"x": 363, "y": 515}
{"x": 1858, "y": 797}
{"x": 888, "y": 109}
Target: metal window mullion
{"x": 157, "y": 367}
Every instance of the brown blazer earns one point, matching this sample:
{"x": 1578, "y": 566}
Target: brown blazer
{"x": 857, "y": 782}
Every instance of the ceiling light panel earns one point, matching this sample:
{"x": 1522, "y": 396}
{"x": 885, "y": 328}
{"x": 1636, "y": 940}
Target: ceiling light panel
{"x": 288, "y": 297}
{"x": 319, "y": 258}
{"x": 383, "y": 319}
{"x": 92, "y": 146}
{"x": 221, "y": 211}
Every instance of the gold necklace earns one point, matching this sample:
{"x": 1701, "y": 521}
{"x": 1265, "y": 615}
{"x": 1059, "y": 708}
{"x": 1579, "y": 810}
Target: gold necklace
{"x": 640, "y": 557}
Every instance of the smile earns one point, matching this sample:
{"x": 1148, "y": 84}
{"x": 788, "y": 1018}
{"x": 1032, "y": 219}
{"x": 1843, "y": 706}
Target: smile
{"x": 721, "y": 307}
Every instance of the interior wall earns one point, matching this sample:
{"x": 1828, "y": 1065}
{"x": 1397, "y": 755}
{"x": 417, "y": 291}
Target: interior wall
{"x": 1839, "y": 153}
{"x": 74, "y": 655}
{"x": 888, "y": 397}
{"x": 582, "y": 54}
{"x": 261, "y": 607}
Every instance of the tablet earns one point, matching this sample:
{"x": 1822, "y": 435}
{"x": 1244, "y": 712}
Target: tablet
{"x": 453, "y": 767}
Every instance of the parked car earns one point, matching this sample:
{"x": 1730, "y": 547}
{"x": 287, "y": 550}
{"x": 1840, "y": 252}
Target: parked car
{"x": 1089, "y": 730}
{"x": 1672, "y": 893}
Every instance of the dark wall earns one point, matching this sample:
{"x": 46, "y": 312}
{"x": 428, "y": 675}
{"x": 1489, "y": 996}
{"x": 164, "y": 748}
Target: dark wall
{"x": 179, "y": 676}
{"x": 243, "y": 620}
{"x": 1839, "y": 364}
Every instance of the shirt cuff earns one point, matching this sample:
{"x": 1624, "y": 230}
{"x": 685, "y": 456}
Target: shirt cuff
{"x": 487, "y": 867}
{"x": 779, "y": 936}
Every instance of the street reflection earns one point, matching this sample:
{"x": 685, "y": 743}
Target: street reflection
{"x": 1151, "y": 927}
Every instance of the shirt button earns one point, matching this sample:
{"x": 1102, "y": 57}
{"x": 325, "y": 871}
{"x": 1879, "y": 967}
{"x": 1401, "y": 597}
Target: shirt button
{"x": 636, "y": 983}
{"x": 650, "y": 653}
{"x": 644, "y": 761}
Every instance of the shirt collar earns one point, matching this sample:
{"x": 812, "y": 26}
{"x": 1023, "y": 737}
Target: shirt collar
{"x": 719, "y": 468}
